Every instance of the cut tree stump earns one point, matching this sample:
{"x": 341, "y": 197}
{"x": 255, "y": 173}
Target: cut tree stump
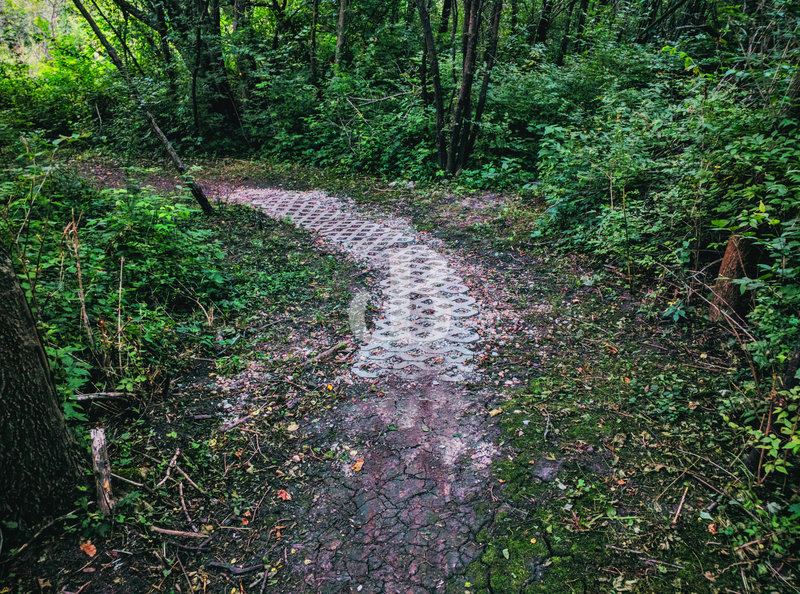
{"x": 102, "y": 471}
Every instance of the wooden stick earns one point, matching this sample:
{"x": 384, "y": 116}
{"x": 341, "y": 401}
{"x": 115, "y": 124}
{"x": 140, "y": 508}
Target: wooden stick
{"x": 233, "y": 569}
{"x": 103, "y": 396}
{"x": 185, "y": 510}
{"x": 169, "y": 532}
{"x": 680, "y": 507}
{"x": 188, "y": 478}
{"x": 324, "y": 354}
{"x": 170, "y": 466}
{"x": 124, "y": 480}
{"x": 102, "y": 471}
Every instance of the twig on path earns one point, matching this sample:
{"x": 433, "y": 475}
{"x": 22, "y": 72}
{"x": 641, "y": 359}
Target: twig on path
{"x": 291, "y": 383}
{"x": 632, "y": 551}
{"x": 185, "y": 510}
{"x": 129, "y": 481}
{"x": 188, "y": 478}
{"x": 103, "y": 396}
{"x": 79, "y": 590}
{"x": 644, "y": 559}
{"x": 233, "y": 569}
{"x": 169, "y": 532}
{"x": 183, "y": 569}
{"x": 547, "y": 424}
{"x": 325, "y": 354}
{"x": 170, "y": 466}
{"x": 680, "y": 507}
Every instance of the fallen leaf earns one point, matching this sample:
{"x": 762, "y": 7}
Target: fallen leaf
{"x": 89, "y": 549}
{"x": 712, "y": 528}
{"x": 494, "y": 412}
{"x": 292, "y": 427}
{"x": 43, "y": 583}
{"x": 282, "y": 494}
{"x": 358, "y": 464}
{"x": 245, "y": 521}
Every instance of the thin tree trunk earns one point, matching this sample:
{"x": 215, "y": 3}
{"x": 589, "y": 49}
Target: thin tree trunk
{"x": 196, "y": 190}
{"x": 565, "y": 39}
{"x": 313, "y": 50}
{"x": 514, "y": 17}
{"x": 489, "y": 59}
{"x": 447, "y": 8}
{"x": 423, "y": 74}
{"x": 581, "y": 23}
{"x": 341, "y": 27}
{"x": 463, "y": 103}
{"x": 39, "y": 459}
{"x": 544, "y": 22}
{"x": 433, "y": 64}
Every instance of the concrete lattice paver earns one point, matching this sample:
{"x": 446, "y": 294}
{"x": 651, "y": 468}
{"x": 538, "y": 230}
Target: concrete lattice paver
{"x": 406, "y": 517}
{"x": 424, "y": 324}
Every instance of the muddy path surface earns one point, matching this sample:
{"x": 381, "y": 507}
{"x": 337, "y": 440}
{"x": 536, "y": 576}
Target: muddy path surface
{"x": 400, "y": 508}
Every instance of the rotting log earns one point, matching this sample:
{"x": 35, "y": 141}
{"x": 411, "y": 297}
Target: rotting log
{"x": 726, "y": 292}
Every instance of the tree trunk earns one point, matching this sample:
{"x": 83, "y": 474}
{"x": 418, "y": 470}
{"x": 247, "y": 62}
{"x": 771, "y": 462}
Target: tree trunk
{"x": 471, "y": 134}
{"x": 544, "y": 22}
{"x": 562, "y": 53}
{"x": 581, "y": 23}
{"x": 463, "y": 103}
{"x": 512, "y": 27}
{"x": 39, "y": 461}
{"x": 436, "y": 81}
{"x": 313, "y": 49}
{"x": 341, "y": 27}
{"x": 726, "y": 293}
{"x": 447, "y": 7}
{"x": 196, "y": 190}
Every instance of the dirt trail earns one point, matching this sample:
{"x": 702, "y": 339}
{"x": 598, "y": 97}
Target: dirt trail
{"x": 401, "y": 508}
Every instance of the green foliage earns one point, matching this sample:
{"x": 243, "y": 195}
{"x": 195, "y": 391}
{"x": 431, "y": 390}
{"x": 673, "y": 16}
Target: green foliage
{"x": 110, "y": 274}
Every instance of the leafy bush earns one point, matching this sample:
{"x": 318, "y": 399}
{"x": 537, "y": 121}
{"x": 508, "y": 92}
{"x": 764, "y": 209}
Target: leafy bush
{"x": 115, "y": 276}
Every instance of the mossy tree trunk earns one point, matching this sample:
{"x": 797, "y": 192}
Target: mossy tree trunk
{"x": 39, "y": 459}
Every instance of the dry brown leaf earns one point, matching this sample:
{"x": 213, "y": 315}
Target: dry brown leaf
{"x": 358, "y": 464}
{"x": 282, "y": 494}
{"x": 89, "y": 549}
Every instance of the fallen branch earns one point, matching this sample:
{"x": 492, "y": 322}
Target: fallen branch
{"x": 233, "y": 569}
{"x": 129, "y": 481}
{"x": 185, "y": 510}
{"x": 680, "y": 507}
{"x": 103, "y": 396}
{"x": 188, "y": 478}
{"x": 325, "y": 354}
{"x": 645, "y": 559}
{"x": 168, "y": 532}
{"x": 170, "y": 466}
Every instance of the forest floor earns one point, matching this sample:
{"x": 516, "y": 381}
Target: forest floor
{"x": 581, "y": 452}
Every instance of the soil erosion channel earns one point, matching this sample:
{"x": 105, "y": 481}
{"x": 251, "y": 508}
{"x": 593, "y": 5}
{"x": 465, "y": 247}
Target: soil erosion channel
{"x": 403, "y": 513}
